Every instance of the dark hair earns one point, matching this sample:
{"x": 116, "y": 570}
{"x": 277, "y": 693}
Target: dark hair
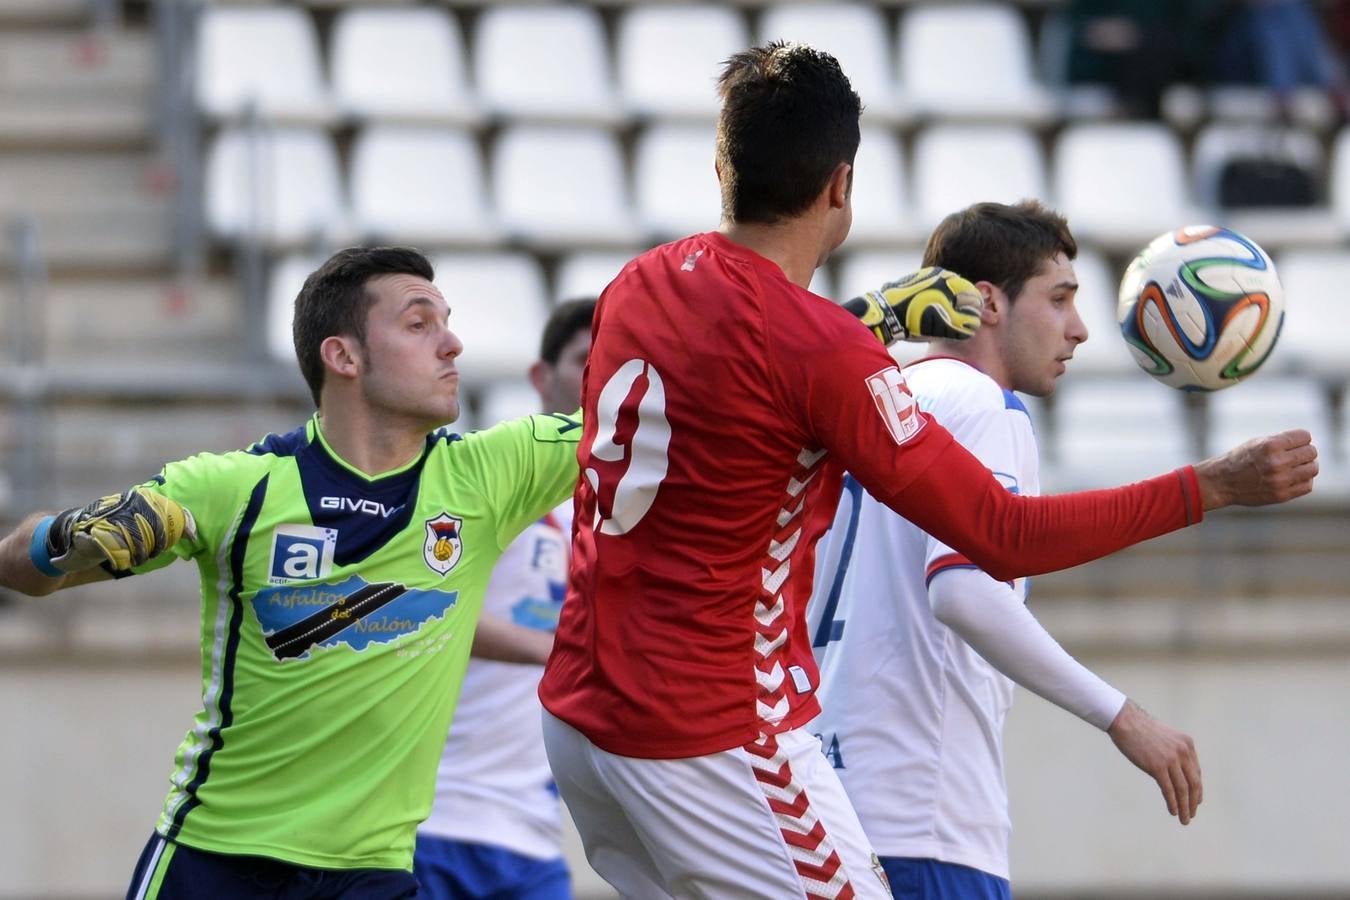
{"x": 789, "y": 117}
{"x": 567, "y": 318}
{"x": 334, "y": 300}
{"x": 1004, "y": 245}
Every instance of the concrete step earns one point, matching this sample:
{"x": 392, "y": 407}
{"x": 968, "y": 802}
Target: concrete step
{"x": 93, "y": 210}
{"x": 63, "y": 88}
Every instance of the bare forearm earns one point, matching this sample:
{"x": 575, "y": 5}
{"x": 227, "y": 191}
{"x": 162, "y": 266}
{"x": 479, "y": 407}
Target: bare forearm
{"x": 502, "y": 641}
{"x": 17, "y": 571}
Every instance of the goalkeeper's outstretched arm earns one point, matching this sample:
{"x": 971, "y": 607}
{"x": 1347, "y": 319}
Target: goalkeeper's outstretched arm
{"x": 107, "y": 538}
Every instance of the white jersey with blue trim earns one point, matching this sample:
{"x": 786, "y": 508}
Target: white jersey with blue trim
{"x": 913, "y": 716}
{"x": 494, "y": 785}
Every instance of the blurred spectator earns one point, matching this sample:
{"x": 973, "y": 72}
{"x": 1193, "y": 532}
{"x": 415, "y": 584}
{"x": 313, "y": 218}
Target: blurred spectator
{"x": 1139, "y": 47}
{"x": 1283, "y": 45}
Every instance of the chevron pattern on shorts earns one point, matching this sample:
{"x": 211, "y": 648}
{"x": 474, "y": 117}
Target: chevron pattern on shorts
{"x": 813, "y": 854}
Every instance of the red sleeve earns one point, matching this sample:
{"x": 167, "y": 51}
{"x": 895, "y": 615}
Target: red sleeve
{"x": 859, "y": 408}
{"x": 1009, "y": 536}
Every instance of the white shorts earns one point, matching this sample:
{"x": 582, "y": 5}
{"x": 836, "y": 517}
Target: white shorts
{"x": 768, "y": 820}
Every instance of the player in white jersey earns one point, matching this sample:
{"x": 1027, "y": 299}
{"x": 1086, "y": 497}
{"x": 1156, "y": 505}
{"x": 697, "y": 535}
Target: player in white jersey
{"x": 918, "y": 648}
{"x": 495, "y": 828}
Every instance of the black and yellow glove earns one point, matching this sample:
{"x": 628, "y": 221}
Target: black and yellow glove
{"x": 931, "y": 303}
{"x": 116, "y": 532}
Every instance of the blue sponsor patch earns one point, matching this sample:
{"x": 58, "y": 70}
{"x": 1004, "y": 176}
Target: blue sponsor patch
{"x": 336, "y": 615}
{"x": 533, "y": 612}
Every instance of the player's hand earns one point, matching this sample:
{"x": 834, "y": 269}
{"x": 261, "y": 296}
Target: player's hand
{"x": 930, "y": 303}
{"x": 1165, "y": 754}
{"x": 1260, "y": 472}
{"x": 117, "y": 532}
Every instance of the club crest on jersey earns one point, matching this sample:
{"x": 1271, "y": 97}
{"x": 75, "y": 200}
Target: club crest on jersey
{"x": 442, "y": 548}
{"x": 895, "y": 403}
{"x": 301, "y": 552}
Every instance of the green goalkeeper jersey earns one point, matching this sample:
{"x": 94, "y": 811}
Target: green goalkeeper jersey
{"x": 338, "y": 612}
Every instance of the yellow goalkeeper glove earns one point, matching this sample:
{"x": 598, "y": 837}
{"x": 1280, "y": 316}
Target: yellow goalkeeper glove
{"x": 931, "y": 303}
{"x": 116, "y": 532}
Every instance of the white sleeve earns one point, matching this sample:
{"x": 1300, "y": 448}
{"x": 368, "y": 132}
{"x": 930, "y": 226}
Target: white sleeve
{"x": 991, "y": 617}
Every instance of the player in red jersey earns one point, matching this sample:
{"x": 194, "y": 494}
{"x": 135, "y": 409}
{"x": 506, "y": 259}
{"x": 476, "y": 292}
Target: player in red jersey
{"x": 723, "y": 402}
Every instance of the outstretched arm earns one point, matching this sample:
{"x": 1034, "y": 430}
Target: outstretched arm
{"x": 503, "y": 641}
{"x": 955, "y": 499}
{"x": 108, "y": 537}
{"x": 19, "y": 573}
{"x": 989, "y": 616}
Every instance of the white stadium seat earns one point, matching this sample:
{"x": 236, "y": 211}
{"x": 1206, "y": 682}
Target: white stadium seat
{"x": 1108, "y": 431}
{"x": 287, "y": 276}
{"x": 1121, "y": 185}
{"x": 669, "y": 57}
{"x": 957, "y": 165}
{"x": 497, "y": 307}
{"x": 588, "y": 272}
{"x": 1267, "y": 403}
{"x": 675, "y": 180}
{"x": 1340, "y": 178}
{"x": 1105, "y": 350}
{"x": 1218, "y": 143}
{"x": 561, "y": 185}
{"x": 419, "y": 185}
{"x": 969, "y": 61}
{"x": 278, "y": 184}
{"x": 402, "y": 64}
{"x": 509, "y": 398}
{"x": 543, "y": 62}
{"x": 855, "y": 34}
{"x": 260, "y": 58}
{"x": 1314, "y": 293}
{"x": 868, "y": 270}
{"x": 880, "y": 196}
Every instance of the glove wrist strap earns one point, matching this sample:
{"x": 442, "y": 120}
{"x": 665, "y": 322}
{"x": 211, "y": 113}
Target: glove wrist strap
{"x": 893, "y": 324}
{"x": 37, "y": 550}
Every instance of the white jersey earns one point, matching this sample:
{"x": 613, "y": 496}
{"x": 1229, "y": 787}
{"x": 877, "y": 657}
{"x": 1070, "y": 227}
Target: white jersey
{"x": 913, "y": 716}
{"x": 494, "y": 785}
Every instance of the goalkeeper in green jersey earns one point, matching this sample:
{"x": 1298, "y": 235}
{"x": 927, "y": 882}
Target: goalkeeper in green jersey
{"x": 342, "y": 572}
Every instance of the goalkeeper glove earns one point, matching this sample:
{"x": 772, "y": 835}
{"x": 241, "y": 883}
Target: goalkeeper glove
{"x": 117, "y": 532}
{"x": 931, "y": 303}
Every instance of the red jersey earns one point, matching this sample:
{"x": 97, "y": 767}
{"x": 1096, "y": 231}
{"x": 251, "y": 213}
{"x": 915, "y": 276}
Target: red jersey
{"x": 722, "y": 405}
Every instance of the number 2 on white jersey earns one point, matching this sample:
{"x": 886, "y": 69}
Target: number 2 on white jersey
{"x": 648, "y": 446}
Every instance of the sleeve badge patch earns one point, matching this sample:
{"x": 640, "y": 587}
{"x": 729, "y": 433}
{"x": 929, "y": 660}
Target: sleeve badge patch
{"x": 895, "y": 403}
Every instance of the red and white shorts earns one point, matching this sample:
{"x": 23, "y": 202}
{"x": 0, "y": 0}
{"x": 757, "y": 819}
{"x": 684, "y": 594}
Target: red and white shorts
{"x": 768, "y": 820}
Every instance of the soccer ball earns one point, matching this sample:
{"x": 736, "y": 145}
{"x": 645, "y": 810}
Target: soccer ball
{"x": 1200, "y": 308}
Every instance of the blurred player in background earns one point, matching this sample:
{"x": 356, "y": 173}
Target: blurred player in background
{"x": 342, "y": 570}
{"x": 918, "y": 648}
{"x": 495, "y": 829}
{"x": 722, "y": 404}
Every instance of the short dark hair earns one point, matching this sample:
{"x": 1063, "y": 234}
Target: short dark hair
{"x": 334, "y": 300}
{"x": 1000, "y": 243}
{"x": 788, "y": 118}
{"x": 567, "y": 318}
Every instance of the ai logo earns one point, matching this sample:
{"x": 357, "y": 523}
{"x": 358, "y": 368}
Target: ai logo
{"x": 301, "y": 552}
{"x": 443, "y": 546}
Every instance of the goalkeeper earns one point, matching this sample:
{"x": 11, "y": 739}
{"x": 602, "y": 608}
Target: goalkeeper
{"x": 342, "y": 572}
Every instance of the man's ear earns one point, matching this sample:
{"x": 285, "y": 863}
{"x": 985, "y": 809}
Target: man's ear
{"x": 840, "y": 186}
{"x": 995, "y": 302}
{"x": 538, "y": 374}
{"x": 341, "y": 355}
